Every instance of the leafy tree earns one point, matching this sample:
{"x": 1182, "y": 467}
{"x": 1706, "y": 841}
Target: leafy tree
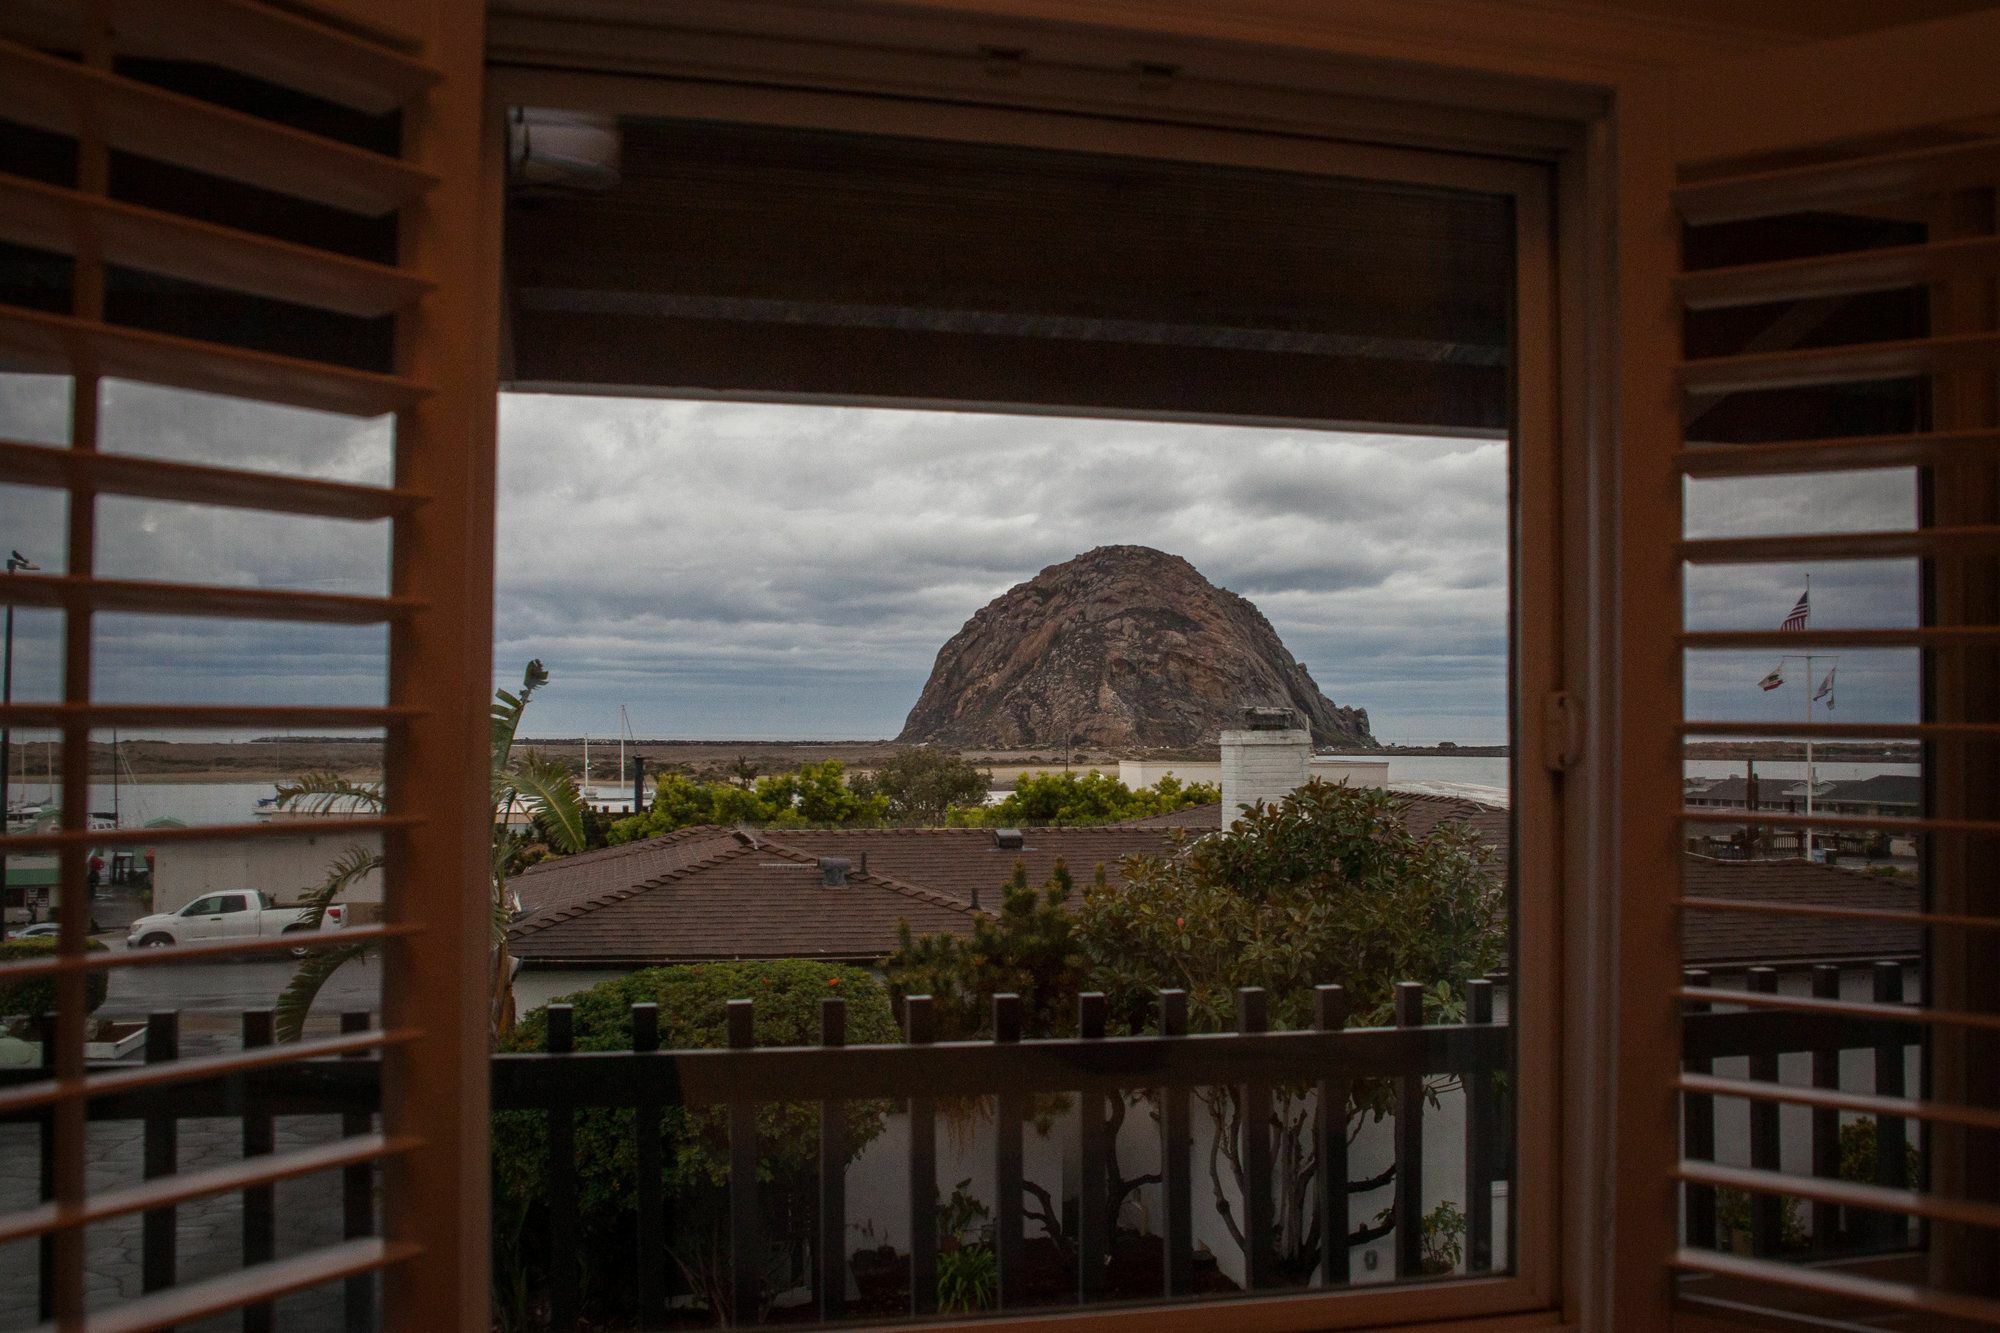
{"x": 1329, "y": 885}
{"x": 527, "y": 780}
{"x": 922, "y": 784}
{"x": 692, "y": 1014}
{"x": 1031, "y": 950}
{"x": 29, "y": 998}
{"x": 818, "y": 795}
{"x": 814, "y": 795}
{"x": 1087, "y": 798}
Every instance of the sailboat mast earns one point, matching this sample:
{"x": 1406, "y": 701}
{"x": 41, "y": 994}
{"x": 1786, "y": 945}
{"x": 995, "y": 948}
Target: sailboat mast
{"x": 1809, "y": 722}
{"x": 624, "y": 726}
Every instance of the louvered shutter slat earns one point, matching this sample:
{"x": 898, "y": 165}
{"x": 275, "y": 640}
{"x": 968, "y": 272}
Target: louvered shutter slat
{"x": 1929, "y": 449}
{"x": 1847, "y": 274}
{"x": 178, "y": 276}
{"x": 197, "y": 483}
{"x": 51, "y": 217}
{"x": 63, "y": 97}
{"x": 1840, "y": 183}
{"x": 32, "y": 340}
{"x": 84, "y": 839}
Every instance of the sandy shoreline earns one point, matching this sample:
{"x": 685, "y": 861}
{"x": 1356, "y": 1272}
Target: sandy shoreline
{"x": 266, "y": 762}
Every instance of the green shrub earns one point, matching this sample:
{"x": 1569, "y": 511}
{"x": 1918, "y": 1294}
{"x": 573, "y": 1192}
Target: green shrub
{"x": 1735, "y": 1213}
{"x": 1441, "y": 1233}
{"x": 692, "y": 1014}
{"x": 968, "y": 1279}
{"x": 33, "y": 996}
{"x": 1857, "y": 1154}
{"x": 1082, "y": 798}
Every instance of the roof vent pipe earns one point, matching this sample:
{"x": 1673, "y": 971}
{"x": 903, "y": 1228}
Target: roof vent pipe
{"x": 861, "y": 864}
{"x": 833, "y": 871}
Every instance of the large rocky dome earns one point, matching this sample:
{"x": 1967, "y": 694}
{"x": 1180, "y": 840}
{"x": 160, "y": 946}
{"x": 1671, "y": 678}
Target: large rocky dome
{"x": 1122, "y": 646}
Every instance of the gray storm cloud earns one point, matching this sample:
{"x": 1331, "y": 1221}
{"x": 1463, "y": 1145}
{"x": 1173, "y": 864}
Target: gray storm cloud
{"x": 787, "y": 571}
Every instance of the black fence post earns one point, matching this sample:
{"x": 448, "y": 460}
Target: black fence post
{"x": 1698, "y": 1134}
{"x": 649, "y": 1162}
{"x": 260, "y": 1202}
{"x": 45, "y": 1244}
{"x": 159, "y": 1259}
{"x": 1009, "y": 1246}
{"x": 1253, "y": 1015}
{"x": 832, "y": 1175}
{"x": 1093, "y": 1195}
{"x": 1176, "y": 1188}
{"x": 1409, "y": 1193}
{"x": 1891, "y": 1132}
{"x": 564, "y": 1298}
{"x": 1767, "y": 1210}
{"x": 921, "y": 1030}
{"x": 745, "y": 1265}
{"x": 1482, "y": 1123}
{"x": 357, "y": 1202}
{"x": 1825, "y": 1120}
{"x": 1330, "y": 1015}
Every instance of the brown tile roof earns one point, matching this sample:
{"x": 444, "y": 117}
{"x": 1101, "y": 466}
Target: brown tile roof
{"x": 1720, "y": 938}
{"x": 555, "y": 886}
{"x": 717, "y": 893}
{"x": 742, "y": 899}
{"x": 961, "y": 861}
{"x": 1424, "y": 813}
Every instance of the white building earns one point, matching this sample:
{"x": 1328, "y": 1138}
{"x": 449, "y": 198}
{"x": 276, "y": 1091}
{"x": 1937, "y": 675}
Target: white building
{"x": 284, "y": 867}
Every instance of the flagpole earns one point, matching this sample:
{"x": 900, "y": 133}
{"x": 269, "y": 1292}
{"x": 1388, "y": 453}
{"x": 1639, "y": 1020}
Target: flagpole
{"x": 1809, "y": 720}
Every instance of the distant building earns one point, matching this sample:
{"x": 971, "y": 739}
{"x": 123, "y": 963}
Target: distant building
{"x": 1885, "y": 795}
{"x": 285, "y": 868}
{"x": 709, "y": 894}
{"x": 1137, "y": 773}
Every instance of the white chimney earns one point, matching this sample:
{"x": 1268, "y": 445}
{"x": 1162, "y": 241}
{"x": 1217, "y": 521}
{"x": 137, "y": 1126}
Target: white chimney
{"x": 1264, "y": 761}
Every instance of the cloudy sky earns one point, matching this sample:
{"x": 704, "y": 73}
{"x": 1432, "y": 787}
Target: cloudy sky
{"x": 742, "y": 571}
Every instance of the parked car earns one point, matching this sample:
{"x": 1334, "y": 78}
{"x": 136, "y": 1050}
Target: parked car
{"x": 38, "y": 931}
{"x": 235, "y": 914}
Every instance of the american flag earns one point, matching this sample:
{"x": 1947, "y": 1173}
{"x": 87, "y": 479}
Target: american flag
{"x": 1800, "y": 613}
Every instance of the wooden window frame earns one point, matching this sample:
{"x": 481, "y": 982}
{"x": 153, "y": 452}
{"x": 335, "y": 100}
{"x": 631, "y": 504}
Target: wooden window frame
{"x": 1541, "y": 617}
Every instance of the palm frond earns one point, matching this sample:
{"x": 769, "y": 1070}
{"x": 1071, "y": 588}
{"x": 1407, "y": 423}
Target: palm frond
{"x": 345, "y": 869}
{"x": 297, "y": 1000}
{"x": 552, "y": 798}
{"x": 325, "y": 793}
{"x": 507, "y": 710}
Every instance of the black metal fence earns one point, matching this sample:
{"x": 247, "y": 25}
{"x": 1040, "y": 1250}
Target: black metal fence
{"x": 920, "y": 1072}
{"x": 1761, "y": 1036}
{"x": 560, "y": 1083}
{"x": 1170, "y": 1065}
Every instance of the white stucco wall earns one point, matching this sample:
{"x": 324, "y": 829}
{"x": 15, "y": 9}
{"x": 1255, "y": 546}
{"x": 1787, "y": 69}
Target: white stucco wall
{"x": 1857, "y": 1074}
{"x": 878, "y": 1180}
{"x": 1262, "y": 766}
{"x": 534, "y": 986}
{"x": 1349, "y": 771}
{"x": 1137, "y": 773}
{"x": 281, "y": 867}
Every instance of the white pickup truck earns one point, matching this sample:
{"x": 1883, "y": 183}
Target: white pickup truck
{"x": 236, "y": 914}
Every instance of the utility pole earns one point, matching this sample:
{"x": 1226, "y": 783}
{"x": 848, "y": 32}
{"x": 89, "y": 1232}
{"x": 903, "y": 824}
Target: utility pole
{"x": 15, "y": 561}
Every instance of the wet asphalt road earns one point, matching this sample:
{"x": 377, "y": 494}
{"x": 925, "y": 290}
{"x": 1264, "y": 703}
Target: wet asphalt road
{"x": 223, "y": 987}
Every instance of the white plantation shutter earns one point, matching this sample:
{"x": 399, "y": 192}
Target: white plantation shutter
{"x": 1855, "y": 333}
{"x": 87, "y": 78}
